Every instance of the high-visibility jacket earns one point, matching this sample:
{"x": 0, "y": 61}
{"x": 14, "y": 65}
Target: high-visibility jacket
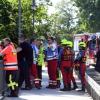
{"x": 51, "y": 52}
{"x": 41, "y": 56}
{"x": 9, "y": 57}
{"x": 35, "y": 53}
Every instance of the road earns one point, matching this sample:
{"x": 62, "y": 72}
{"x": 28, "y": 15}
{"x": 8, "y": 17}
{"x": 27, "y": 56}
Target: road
{"x": 49, "y": 94}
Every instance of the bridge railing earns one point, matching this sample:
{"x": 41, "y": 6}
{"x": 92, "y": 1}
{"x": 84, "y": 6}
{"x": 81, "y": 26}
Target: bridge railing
{"x": 93, "y": 83}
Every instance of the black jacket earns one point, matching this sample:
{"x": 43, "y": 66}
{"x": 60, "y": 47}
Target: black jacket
{"x": 26, "y": 53}
{"x": 97, "y": 67}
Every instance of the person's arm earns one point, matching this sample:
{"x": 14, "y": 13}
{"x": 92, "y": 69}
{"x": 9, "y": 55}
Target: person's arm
{"x": 5, "y": 51}
{"x": 18, "y": 49}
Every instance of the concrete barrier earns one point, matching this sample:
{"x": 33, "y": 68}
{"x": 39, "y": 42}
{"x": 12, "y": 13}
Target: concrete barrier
{"x": 93, "y": 86}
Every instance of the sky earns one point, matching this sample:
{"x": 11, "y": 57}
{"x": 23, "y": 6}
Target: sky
{"x": 52, "y": 9}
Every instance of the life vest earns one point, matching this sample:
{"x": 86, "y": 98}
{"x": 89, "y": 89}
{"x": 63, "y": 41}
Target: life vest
{"x": 83, "y": 56}
{"x": 66, "y": 58}
{"x": 9, "y": 57}
{"x": 67, "y": 55}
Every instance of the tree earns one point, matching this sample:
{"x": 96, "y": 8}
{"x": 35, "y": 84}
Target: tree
{"x": 89, "y": 15}
{"x": 64, "y": 20}
{"x": 5, "y": 12}
{"x": 9, "y": 18}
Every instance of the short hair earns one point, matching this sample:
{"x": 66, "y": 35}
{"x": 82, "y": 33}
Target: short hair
{"x": 51, "y": 37}
{"x": 32, "y": 40}
{"x": 7, "y": 39}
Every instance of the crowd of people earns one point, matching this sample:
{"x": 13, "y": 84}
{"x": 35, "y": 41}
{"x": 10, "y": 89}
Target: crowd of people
{"x": 24, "y": 64}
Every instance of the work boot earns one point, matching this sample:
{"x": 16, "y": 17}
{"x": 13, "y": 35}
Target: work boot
{"x": 13, "y": 94}
{"x": 37, "y": 85}
{"x": 74, "y": 86}
{"x": 58, "y": 83}
{"x": 40, "y": 84}
{"x": 27, "y": 88}
{"x": 53, "y": 87}
{"x": 82, "y": 89}
{"x": 64, "y": 89}
{"x": 69, "y": 87}
{"x": 49, "y": 86}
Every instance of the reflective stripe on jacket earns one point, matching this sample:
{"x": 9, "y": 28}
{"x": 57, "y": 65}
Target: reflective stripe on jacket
{"x": 10, "y": 57}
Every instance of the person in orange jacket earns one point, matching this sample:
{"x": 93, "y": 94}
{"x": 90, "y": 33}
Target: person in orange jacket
{"x": 10, "y": 66}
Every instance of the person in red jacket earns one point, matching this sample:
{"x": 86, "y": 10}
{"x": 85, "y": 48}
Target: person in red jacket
{"x": 51, "y": 54}
{"x": 81, "y": 59}
{"x": 10, "y": 66}
{"x": 66, "y": 56}
{"x": 70, "y": 46}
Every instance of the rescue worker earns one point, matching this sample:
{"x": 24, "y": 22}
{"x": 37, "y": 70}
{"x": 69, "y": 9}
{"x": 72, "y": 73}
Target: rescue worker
{"x": 70, "y": 46}
{"x": 51, "y": 54}
{"x": 66, "y": 56}
{"x": 92, "y": 46}
{"x": 40, "y": 61}
{"x": 81, "y": 59}
{"x": 97, "y": 67}
{"x": 10, "y": 66}
{"x": 25, "y": 60}
{"x": 58, "y": 67}
{"x": 33, "y": 69}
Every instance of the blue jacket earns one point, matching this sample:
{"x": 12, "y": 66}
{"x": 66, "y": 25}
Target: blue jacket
{"x": 80, "y": 55}
{"x": 35, "y": 53}
{"x": 51, "y": 53}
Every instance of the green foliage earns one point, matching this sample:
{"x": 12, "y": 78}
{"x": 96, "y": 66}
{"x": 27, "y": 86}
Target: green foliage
{"x": 89, "y": 15}
{"x": 9, "y": 18}
{"x": 64, "y": 20}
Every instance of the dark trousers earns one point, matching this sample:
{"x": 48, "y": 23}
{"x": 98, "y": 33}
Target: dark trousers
{"x": 24, "y": 74}
{"x": 39, "y": 71}
{"x": 12, "y": 77}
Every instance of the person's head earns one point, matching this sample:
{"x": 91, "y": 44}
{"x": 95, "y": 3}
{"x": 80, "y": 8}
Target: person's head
{"x": 50, "y": 40}
{"x": 39, "y": 42}
{"x": 69, "y": 44}
{"x": 64, "y": 43}
{"x": 21, "y": 39}
{"x": 33, "y": 41}
{"x": 6, "y": 41}
{"x": 82, "y": 45}
{"x": 93, "y": 37}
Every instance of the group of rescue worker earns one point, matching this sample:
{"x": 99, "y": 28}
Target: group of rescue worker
{"x": 24, "y": 64}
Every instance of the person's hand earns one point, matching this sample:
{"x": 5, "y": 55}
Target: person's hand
{"x": 46, "y": 64}
{"x": 18, "y": 49}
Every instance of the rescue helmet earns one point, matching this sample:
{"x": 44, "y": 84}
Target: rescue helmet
{"x": 64, "y": 42}
{"x": 82, "y": 44}
{"x": 70, "y": 44}
{"x": 93, "y": 37}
